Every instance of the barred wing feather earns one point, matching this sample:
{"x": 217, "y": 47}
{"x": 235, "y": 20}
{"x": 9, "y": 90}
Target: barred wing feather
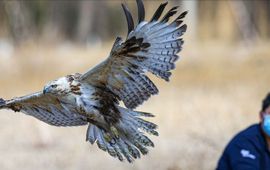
{"x": 47, "y": 108}
{"x": 149, "y": 47}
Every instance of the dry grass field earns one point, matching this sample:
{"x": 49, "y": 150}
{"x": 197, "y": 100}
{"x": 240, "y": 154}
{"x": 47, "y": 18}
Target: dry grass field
{"x": 215, "y": 91}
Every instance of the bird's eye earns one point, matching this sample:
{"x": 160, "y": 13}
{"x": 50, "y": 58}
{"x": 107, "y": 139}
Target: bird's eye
{"x": 54, "y": 86}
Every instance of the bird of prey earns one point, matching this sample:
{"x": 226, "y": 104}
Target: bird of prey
{"x": 93, "y": 98}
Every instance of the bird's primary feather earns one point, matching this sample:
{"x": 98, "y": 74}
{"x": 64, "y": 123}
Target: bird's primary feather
{"x": 93, "y": 98}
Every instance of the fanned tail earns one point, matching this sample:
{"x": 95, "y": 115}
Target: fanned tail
{"x": 126, "y": 139}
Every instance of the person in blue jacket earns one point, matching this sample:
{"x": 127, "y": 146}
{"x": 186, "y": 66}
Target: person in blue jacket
{"x": 250, "y": 149}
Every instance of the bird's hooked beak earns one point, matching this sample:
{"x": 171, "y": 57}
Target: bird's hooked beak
{"x": 45, "y": 90}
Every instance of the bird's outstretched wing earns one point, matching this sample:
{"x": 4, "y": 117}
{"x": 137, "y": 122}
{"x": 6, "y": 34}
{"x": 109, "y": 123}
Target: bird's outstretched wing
{"x": 46, "y": 108}
{"x": 149, "y": 47}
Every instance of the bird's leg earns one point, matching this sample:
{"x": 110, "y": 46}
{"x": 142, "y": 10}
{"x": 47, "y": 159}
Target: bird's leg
{"x": 110, "y": 131}
{"x": 83, "y": 112}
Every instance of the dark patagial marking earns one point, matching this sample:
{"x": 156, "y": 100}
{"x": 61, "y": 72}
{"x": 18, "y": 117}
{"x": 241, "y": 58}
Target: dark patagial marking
{"x": 133, "y": 45}
{"x": 16, "y": 108}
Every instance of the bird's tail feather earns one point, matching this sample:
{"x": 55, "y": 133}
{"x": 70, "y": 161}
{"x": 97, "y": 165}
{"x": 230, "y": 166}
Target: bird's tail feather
{"x": 126, "y": 139}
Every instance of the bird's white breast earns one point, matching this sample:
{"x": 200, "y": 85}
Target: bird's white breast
{"x": 85, "y": 100}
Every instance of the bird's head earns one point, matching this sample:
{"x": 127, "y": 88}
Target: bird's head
{"x": 60, "y": 86}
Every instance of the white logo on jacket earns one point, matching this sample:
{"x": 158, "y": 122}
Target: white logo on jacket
{"x": 247, "y": 154}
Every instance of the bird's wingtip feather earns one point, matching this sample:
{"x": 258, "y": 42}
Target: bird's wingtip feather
{"x": 2, "y": 102}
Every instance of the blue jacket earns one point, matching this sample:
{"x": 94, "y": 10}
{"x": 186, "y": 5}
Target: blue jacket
{"x": 246, "y": 151}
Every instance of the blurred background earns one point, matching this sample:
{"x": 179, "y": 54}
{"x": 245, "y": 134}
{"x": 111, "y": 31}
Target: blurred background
{"x": 215, "y": 91}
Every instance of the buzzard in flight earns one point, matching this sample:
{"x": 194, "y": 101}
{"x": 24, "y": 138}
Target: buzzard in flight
{"x": 93, "y": 98}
